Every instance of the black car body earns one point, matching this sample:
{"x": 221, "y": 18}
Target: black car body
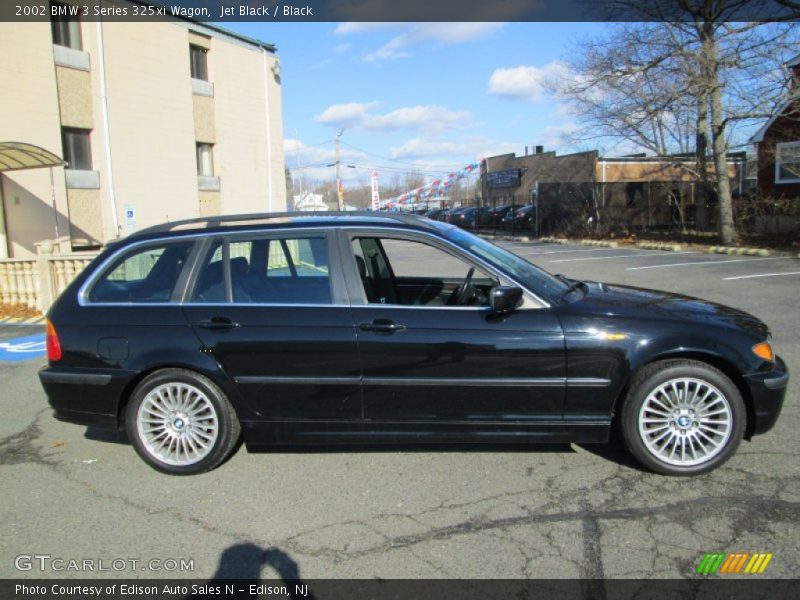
{"x": 468, "y": 218}
{"x": 523, "y": 218}
{"x": 493, "y": 217}
{"x": 384, "y": 328}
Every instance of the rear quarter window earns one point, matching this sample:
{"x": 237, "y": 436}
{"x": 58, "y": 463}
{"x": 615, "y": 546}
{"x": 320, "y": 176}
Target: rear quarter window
{"x": 142, "y": 275}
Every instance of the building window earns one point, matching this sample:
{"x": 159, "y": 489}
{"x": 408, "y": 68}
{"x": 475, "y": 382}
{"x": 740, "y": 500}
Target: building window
{"x": 205, "y": 160}
{"x": 77, "y": 148}
{"x": 199, "y": 62}
{"x": 787, "y": 162}
{"x": 66, "y": 25}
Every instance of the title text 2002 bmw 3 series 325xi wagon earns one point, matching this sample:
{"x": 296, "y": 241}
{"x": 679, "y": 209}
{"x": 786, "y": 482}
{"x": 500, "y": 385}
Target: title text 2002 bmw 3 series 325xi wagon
{"x": 382, "y": 328}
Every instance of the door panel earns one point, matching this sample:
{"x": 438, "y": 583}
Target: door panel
{"x": 461, "y": 364}
{"x": 288, "y": 362}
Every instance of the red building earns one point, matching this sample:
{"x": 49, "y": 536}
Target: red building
{"x": 778, "y": 145}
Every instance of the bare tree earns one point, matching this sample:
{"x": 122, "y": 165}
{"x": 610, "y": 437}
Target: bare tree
{"x": 685, "y": 78}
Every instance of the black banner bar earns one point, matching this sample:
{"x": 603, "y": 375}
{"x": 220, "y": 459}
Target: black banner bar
{"x": 748, "y": 587}
{"x": 394, "y": 10}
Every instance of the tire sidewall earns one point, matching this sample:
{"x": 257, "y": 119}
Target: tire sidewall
{"x": 214, "y": 395}
{"x": 638, "y": 394}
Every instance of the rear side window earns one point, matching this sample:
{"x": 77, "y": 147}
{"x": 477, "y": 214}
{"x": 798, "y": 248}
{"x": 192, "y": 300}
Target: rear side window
{"x": 143, "y": 275}
{"x": 285, "y": 270}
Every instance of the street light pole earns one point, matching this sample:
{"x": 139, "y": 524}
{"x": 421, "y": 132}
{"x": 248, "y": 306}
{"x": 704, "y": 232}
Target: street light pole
{"x": 339, "y": 188}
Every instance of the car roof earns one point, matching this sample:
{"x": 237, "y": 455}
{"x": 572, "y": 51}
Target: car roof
{"x": 290, "y": 220}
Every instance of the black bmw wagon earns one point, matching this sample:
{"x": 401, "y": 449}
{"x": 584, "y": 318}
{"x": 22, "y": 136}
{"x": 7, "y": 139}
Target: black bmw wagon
{"x": 386, "y": 328}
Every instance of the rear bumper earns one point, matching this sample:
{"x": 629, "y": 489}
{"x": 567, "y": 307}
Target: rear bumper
{"x": 768, "y": 390}
{"x": 85, "y": 396}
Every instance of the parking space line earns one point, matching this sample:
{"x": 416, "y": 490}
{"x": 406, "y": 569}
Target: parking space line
{"x": 702, "y": 262}
{"x": 655, "y": 253}
{"x": 563, "y": 251}
{"x": 761, "y": 275}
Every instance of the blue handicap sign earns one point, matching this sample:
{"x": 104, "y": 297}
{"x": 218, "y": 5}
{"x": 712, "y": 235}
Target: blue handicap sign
{"x": 23, "y": 348}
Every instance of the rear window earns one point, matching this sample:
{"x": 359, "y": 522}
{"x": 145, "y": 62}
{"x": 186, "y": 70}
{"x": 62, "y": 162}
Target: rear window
{"x": 142, "y": 275}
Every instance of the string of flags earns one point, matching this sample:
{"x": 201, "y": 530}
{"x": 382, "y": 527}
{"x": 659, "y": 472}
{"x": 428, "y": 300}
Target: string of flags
{"x": 435, "y": 188}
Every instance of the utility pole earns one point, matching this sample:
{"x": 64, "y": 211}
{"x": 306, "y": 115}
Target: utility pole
{"x": 339, "y": 188}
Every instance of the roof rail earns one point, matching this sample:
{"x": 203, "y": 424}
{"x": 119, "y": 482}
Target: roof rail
{"x": 223, "y": 220}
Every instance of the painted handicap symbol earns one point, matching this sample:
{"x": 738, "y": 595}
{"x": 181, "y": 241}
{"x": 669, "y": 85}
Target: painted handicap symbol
{"x": 23, "y": 348}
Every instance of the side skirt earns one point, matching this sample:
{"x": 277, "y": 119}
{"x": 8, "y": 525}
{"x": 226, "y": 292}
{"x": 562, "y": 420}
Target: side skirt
{"x": 326, "y": 433}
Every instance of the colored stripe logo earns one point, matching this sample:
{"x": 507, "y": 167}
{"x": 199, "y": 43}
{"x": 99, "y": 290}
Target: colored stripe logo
{"x": 732, "y": 563}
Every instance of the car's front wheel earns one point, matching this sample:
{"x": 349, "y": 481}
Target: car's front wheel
{"x": 181, "y": 423}
{"x": 682, "y": 417}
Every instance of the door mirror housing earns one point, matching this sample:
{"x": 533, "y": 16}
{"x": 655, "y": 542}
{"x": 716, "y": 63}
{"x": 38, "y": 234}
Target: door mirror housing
{"x": 505, "y": 298}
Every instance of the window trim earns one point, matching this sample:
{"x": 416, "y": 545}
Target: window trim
{"x": 778, "y": 147}
{"x": 198, "y": 146}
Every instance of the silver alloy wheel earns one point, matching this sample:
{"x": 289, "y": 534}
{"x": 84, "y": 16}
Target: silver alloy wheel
{"x": 177, "y": 424}
{"x": 685, "y": 422}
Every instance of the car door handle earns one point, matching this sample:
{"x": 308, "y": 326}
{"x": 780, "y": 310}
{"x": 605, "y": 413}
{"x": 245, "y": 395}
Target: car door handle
{"x": 218, "y": 323}
{"x": 382, "y": 326}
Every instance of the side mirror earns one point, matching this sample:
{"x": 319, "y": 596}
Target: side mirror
{"x": 505, "y": 298}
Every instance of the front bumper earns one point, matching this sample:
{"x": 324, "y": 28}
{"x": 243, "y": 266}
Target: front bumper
{"x": 768, "y": 390}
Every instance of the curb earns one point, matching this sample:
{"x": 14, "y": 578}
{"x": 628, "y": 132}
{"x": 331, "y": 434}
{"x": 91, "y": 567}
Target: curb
{"x": 598, "y": 243}
{"x": 22, "y": 321}
{"x": 509, "y": 238}
{"x": 659, "y": 246}
{"x": 554, "y": 240}
{"x": 733, "y": 250}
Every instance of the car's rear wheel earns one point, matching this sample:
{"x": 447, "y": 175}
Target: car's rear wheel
{"x": 181, "y": 423}
{"x": 682, "y": 417}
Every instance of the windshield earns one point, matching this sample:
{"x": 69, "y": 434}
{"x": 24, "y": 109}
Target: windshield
{"x": 535, "y": 279}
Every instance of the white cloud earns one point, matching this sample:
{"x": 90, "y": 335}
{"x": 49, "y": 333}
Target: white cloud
{"x": 441, "y": 33}
{"x": 450, "y": 150}
{"x": 526, "y": 82}
{"x": 345, "y": 115}
{"x": 420, "y": 118}
{"x": 342, "y": 48}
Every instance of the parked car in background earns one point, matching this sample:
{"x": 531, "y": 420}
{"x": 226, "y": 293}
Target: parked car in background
{"x": 521, "y": 219}
{"x": 468, "y": 218}
{"x": 451, "y": 213}
{"x": 389, "y": 328}
{"x": 435, "y": 213}
{"x": 493, "y": 217}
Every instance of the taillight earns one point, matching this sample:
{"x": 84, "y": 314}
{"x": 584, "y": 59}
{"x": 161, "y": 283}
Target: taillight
{"x": 53, "y": 345}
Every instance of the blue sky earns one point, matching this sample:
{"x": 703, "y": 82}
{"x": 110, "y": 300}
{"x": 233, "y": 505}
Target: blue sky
{"x": 431, "y": 97}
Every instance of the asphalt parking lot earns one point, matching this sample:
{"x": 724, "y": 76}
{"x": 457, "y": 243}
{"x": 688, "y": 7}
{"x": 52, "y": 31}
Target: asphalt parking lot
{"x": 498, "y": 512}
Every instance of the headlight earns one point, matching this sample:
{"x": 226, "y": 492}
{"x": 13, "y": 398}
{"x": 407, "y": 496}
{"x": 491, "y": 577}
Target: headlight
{"x": 764, "y": 350}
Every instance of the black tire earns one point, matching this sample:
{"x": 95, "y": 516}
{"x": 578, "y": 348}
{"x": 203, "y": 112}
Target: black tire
{"x": 217, "y": 410}
{"x": 647, "y": 381}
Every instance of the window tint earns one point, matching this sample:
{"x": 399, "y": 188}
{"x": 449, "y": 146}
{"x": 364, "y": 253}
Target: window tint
{"x": 144, "y": 275}
{"x": 267, "y": 271}
{"x": 199, "y": 62}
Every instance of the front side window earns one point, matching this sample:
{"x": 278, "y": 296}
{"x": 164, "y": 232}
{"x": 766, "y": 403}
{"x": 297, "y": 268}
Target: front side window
{"x": 144, "y": 275}
{"x": 198, "y": 57}
{"x": 285, "y": 270}
{"x": 205, "y": 160}
{"x": 411, "y": 273}
{"x": 66, "y": 25}
{"x": 77, "y": 148}
{"x": 787, "y": 162}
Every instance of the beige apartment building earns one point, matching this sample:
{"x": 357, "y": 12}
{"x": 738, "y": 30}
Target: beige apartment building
{"x": 155, "y": 122}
